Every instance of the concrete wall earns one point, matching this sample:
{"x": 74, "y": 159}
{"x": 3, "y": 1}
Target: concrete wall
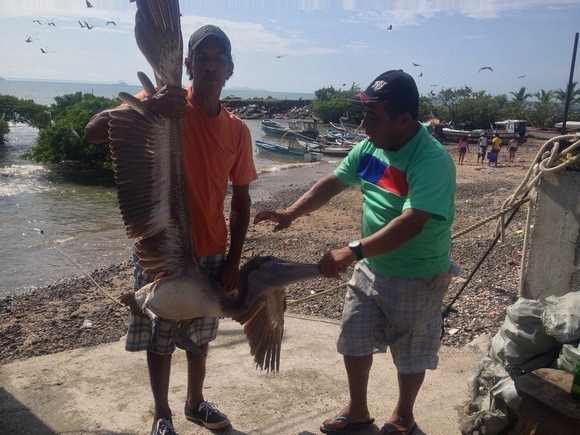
{"x": 553, "y": 266}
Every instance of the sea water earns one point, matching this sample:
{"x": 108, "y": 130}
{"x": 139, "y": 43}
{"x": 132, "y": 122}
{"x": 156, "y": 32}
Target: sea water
{"x": 57, "y": 223}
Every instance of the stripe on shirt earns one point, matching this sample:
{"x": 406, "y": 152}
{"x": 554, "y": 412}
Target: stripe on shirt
{"x": 377, "y": 172}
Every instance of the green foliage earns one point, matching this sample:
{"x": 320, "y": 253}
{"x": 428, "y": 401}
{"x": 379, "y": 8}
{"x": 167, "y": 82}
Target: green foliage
{"x": 63, "y": 139}
{"x": 331, "y": 104}
{"x": 13, "y": 109}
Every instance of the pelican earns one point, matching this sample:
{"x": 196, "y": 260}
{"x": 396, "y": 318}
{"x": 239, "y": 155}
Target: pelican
{"x": 147, "y": 155}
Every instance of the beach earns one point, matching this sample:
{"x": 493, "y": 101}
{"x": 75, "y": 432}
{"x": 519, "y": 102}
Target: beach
{"x": 77, "y": 312}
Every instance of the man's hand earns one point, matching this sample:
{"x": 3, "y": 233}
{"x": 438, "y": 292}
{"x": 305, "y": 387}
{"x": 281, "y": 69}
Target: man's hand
{"x": 228, "y": 276}
{"x": 334, "y": 261}
{"x": 282, "y": 218}
{"x": 169, "y": 102}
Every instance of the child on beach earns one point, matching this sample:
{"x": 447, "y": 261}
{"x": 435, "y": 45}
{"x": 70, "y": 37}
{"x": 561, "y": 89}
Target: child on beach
{"x": 463, "y": 148}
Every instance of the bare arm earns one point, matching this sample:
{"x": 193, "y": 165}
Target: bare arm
{"x": 318, "y": 195}
{"x": 394, "y": 235}
{"x": 239, "y": 221}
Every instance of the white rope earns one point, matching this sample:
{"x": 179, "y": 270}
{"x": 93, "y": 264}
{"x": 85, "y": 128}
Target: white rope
{"x": 548, "y": 159}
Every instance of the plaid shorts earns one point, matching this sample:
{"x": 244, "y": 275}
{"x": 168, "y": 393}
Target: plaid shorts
{"x": 401, "y": 313}
{"x": 202, "y": 330}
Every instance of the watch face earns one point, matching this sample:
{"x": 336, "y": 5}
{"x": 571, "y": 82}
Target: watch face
{"x": 354, "y": 244}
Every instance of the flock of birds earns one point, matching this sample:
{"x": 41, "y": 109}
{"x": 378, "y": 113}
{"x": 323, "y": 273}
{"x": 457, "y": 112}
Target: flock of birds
{"x": 84, "y": 25}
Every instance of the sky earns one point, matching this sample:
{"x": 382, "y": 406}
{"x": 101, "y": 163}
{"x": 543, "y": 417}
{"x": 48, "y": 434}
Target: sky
{"x": 303, "y": 46}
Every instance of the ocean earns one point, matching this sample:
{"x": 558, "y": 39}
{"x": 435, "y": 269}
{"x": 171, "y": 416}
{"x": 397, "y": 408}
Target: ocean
{"x": 55, "y": 222}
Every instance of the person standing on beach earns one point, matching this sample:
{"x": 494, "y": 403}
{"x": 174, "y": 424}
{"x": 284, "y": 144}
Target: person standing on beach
{"x": 463, "y": 148}
{"x": 481, "y": 147}
{"x": 496, "y": 144}
{"x": 394, "y": 298}
{"x": 512, "y": 148}
{"x": 217, "y": 149}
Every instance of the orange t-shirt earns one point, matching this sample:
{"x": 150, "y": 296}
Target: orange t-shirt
{"x": 216, "y": 150}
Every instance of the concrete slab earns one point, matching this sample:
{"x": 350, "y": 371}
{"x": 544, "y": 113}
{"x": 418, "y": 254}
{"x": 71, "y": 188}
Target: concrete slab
{"x": 105, "y": 390}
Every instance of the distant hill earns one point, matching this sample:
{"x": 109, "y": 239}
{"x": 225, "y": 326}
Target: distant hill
{"x": 246, "y": 89}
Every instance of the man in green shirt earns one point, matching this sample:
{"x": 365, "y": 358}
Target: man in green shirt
{"x": 395, "y": 295}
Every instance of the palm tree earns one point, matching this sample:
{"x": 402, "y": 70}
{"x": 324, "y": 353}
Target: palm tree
{"x": 521, "y": 95}
{"x": 544, "y": 97}
{"x": 561, "y": 94}
{"x": 519, "y": 102}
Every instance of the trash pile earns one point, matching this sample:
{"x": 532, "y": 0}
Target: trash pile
{"x": 535, "y": 334}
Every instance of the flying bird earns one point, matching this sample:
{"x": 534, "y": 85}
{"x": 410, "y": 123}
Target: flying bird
{"x": 37, "y": 21}
{"x": 521, "y": 77}
{"x": 390, "y": 27}
{"x": 81, "y": 24}
{"x": 28, "y": 39}
{"x": 421, "y": 75}
{"x": 89, "y": 5}
{"x": 87, "y": 25}
{"x": 416, "y": 64}
{"x": 484, "y": 67}
{"x": 51, "y": 23}
{"x": 282, "y": 55}
{"x": 42, "y": 50}
{"x": 112, "y": 22}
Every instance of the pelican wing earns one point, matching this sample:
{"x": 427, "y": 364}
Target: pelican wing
{"x": 264, "y": 328}
{"x": 147, "y": 152}
{"x": 158, "y": 36}
{"x": 262, "y": 280}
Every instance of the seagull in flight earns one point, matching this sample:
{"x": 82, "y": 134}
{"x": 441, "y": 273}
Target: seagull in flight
{"x": 390, "y": 27}
{"x": 28, "y": 39}
{"x": 421, "y": 75}
{"x": 89, "y": 27}
{"x": 42, "y": 50}
{"x": 416, "y": 64}
{"x": 521, "y": 77}
{"x": 111, "y": 22}
{"x": 484, "y": 67}
{"x": 82, "y": 25}
{"x": 89, "y": 5}
{"x": 282, "y": 55}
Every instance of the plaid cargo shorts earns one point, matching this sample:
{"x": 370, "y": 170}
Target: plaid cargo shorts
{"x": 403, "y": 314}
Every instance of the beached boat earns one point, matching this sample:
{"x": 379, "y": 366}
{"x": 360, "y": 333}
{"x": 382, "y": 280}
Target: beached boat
{"x": 335, "y": 151}
{"x": 543, "y": 133}
{"x": 549, "y": 133}
{"x": 505, "y": 129}
{"x": 296, "y": 128}
{"x": 291, "y": 150}
{"x": 454, "y": 135}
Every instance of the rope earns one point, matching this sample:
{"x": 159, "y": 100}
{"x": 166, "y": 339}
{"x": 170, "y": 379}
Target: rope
{"x": 314, "y": 296}
{"x": 490, "y": 218}
{"x": 75, "y": 264}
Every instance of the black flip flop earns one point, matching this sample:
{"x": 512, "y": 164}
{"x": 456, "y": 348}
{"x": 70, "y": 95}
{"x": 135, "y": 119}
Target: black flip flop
{"x": 351, "y": 425}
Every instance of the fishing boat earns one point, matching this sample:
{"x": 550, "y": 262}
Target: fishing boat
{"x": 296, "y": 128}
{"x": 505, "y": 129}
{"x": 290, "y": 150}
{"x": 549, "y": 133}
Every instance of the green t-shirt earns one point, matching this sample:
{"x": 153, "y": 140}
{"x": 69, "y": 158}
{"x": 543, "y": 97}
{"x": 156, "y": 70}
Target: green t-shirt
{"x": 420, "y": 175}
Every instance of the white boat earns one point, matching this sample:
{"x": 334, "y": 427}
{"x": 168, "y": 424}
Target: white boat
{"x": 571, "y": 126}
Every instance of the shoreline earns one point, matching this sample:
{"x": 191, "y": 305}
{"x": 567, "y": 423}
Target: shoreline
{"x": 74, "y": 313}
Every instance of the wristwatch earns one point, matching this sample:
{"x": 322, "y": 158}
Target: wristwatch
{"x": 356, "y": 247}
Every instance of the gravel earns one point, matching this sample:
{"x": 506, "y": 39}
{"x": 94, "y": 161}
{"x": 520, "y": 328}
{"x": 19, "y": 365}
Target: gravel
{"x": 76, "y": 312}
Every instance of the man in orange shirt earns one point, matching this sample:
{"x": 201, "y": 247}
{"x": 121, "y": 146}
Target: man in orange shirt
{"x": 217, "y": 149}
